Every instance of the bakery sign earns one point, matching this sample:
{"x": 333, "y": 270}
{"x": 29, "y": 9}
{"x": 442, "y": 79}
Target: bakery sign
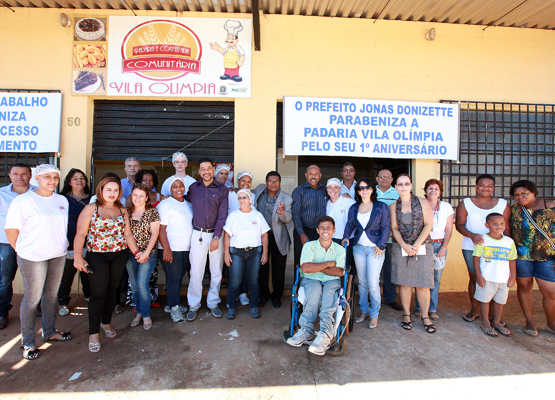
{"x": 179, "y": 57}
{"x": 30, "y": 122}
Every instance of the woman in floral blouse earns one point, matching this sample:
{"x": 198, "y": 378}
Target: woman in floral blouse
{"x": 145, "y": 225}
{"x": 105, "y": 226}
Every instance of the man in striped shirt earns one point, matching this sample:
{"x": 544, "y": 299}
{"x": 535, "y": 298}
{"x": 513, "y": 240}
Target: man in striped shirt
{"x": 309, "y": 204}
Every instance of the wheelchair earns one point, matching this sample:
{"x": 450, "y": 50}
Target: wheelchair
{"x": 344, "y": 312}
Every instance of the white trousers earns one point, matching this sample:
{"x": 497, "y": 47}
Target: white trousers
{"x": 199, "y": 251}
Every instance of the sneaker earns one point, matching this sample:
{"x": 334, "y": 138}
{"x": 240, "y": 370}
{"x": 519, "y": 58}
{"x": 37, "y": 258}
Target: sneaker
{"x": 320, "y": 344}
{"x": 184, "y": 309}
{"x": 216, "y": 312}
{"x": 254, "y": 312}
{"x": 64, "y": 310}
{"x": 301, "y": 337}
{"x": 231, "y": 313}
{"x": 244, "y": 299}
{"x": 191, "y": 315}
{"x": 176, "y": 314}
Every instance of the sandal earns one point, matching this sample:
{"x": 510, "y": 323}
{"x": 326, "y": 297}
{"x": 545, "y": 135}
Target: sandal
{"x": 470, "y": 317}
{"x": 502, "y": 323}
{"x": 503, "y": 330}
{"x": 431, "y": 328}
{"x": 64, "y": 337}
{"x": 490, "y": 332}
{"x": 110, "y": 333}
{"x": 94, "y": 347}
{"x": 406, "y": 325}
{"x": 30, "y": 353}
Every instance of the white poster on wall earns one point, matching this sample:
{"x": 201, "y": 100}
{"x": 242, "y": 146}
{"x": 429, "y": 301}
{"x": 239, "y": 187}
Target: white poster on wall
{"x": 179, "y": 57}
{"x": 30, "y": 122}
{"x": 370, "y": 128}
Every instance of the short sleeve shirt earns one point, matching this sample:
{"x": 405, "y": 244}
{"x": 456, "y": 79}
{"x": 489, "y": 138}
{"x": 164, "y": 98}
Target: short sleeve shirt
{"x": 246, "y": 229}
{"x": 141, "y": 228}
{"x": 313, "y": 252}
{"x": 494, "y": 258}
{"x": 178, "y": 218}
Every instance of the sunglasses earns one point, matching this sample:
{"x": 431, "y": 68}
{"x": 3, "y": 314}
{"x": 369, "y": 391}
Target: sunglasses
{"x": 361, "y": 188}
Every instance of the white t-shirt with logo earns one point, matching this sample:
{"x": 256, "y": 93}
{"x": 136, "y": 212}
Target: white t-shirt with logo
{"x": 187, "y": 181}
{"x": 178, "y": 218}
{"x": 440, "y": 220}
{"x": 42, "y": 225}
{"x": 245, "y": 229}
{"x": 339, "y": 211}
{"x": 494, "y": 258}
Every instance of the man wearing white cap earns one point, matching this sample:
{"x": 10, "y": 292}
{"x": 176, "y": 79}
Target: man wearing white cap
{"x": 179, "y": 161}
{"x": 20, "y": 175}
{"x": 234, "y": 55}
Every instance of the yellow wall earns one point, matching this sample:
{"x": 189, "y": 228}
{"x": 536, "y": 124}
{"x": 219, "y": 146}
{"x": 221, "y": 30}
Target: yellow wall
{"x": 310, "y": 56}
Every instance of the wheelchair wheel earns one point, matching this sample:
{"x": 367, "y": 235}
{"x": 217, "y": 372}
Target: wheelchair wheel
{"x": 285, "y": 333}
{"x": 338, "y": 349}
{"x": 352, "y": 305}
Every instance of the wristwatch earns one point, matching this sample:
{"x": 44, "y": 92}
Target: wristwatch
{"x": 216, "y": 237}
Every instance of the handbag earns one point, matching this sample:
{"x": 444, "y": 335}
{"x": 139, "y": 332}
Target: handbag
{"x": 540, "y": 230}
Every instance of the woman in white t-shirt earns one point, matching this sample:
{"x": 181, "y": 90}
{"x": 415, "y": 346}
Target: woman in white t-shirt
{"x": 176, "y": 228}
{"x": 337, "y": 207}
{"x": 471, "y": 223}
{"x": 36, "y": 227}
{"x": 442, "y": 230}
{"x": 245, "y": 248}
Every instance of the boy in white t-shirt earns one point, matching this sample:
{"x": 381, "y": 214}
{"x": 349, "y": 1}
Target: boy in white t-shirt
{"x": 495, "y": 266}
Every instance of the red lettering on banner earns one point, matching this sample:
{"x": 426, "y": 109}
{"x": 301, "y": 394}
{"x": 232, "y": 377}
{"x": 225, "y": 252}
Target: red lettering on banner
{"x": 162, "y": 49}
{"x": 144, "y": 64}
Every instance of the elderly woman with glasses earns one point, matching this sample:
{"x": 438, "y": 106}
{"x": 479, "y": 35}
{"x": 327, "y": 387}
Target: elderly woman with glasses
{"x": 36, "y": 227}
{"x": 245, "y": 248}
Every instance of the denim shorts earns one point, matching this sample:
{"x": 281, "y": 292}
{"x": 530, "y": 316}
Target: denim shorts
{"x": 469, "y": 259}
{"x": 544, "y": 270}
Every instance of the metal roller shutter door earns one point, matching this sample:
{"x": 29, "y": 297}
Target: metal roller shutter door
{"x": 153, "y": 130}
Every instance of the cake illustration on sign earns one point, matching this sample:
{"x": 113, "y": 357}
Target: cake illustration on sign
{"x": 90, "y": 29}
{"x": 161, "y": 50}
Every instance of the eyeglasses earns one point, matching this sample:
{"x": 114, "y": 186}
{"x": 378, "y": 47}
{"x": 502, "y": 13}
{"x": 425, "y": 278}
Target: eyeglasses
{"x": 385, "y": 177}
{"x": 404, "y": 184}
{"x": 273, "y": 182}
{"x": 362, "y": 188}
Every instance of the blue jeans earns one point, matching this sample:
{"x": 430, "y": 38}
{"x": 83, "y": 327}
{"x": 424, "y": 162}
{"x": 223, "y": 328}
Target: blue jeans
{"x": 319, "y": 296}
{"x": 41, "y": 280}
{"x": 139, "y": 276}
{"x": 244, "y": 263}
{"x": 8, "y": 268}
{"x": 368, "y": 269}
{"x": 434, "y": 293}
{"x": 175, "y": 271}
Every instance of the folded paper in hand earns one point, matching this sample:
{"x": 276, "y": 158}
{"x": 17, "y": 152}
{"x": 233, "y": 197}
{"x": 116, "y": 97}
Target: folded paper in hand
{"x": 421, "y": 251}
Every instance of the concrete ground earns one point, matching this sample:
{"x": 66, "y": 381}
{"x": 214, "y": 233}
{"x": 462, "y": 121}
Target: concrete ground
{"x": 247, "y": 359}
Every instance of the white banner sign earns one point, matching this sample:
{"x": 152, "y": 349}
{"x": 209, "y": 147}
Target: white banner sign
{"x": 370, "y": 128}
{"x": 179, "y": 57}
{"x": 30, "y": 122}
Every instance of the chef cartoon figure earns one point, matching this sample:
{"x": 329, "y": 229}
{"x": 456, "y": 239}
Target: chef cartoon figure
{"x": 234, "y": 55}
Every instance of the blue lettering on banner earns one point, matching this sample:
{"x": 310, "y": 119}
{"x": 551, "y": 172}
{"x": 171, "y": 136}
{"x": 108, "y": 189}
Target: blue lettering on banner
{"x": 17, "y": 145}
{"x": 11, "y": 101}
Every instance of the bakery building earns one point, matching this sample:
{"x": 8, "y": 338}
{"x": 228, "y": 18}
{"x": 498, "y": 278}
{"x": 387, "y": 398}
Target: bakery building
{"x": 223, "y": 81}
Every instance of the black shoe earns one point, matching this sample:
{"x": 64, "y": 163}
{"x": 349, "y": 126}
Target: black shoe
{"x": 262, "y": 302}
{"x": 3, "y": 321}
{"x": 395, "y": 306}
{"x": 276, "y": 303}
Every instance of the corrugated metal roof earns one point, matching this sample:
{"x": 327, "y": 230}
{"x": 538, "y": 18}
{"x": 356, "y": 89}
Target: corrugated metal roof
{"x": 516, "y": 13}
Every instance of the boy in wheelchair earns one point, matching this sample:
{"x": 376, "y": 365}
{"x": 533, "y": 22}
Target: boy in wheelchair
{"x": 322, "y": 266}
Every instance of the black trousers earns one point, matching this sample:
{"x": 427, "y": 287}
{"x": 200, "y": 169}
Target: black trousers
{"x": 278, "y": 262}
{"x": 298, "y": 247}
{"x": 67, "y": 280}
{"x": 108, "y": 268}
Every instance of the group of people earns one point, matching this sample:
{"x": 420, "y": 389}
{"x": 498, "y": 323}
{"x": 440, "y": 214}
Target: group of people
{"x": 368, "y": 226}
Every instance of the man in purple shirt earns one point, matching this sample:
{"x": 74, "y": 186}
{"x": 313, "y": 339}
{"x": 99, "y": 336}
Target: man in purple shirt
{"x": 209, "y": 200}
